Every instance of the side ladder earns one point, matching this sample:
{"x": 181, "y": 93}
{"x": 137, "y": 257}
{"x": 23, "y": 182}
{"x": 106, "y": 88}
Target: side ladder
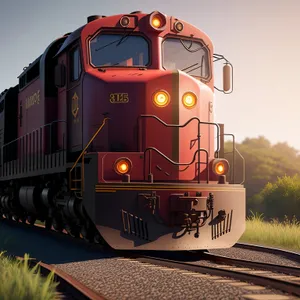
{"x": 76, "y": 173}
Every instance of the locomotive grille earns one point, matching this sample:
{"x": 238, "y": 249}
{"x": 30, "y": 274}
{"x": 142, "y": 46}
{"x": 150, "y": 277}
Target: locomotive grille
{"x": 134, "y": 225}
{"x": 222, "y": 227}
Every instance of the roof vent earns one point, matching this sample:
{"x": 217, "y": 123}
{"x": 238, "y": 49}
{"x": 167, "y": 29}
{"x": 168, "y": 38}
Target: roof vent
{"x": 94, "y": 17}
{"x": 136, "y": 12}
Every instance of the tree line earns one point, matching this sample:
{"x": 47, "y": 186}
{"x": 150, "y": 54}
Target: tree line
{"x": 272, "y": 178}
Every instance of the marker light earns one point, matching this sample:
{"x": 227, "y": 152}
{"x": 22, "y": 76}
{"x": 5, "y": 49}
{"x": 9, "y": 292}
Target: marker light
{"x": 157, "y": 21}
{"x": 122, "y": 165}
{"x": 178, "y": 26}
{"x": 189, "y": 100}
{"x": 220, "y": 166}
{"x": 124, "y": 21}
{"x": 161, "y": 98}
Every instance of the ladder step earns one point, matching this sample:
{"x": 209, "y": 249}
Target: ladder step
{"x": 76, "y": 180}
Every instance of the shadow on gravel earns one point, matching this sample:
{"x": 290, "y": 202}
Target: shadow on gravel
{"x": 49, "y": 247}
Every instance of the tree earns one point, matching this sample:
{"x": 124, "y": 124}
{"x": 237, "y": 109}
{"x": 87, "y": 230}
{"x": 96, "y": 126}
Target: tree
{"x": 264, "y": 164}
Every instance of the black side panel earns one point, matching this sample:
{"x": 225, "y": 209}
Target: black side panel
{"x": 9, "y": 121}
{"x": 90, "y": 180}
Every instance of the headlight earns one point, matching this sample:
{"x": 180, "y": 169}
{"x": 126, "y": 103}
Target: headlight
{"x": 161, "y": 98}
{"x": 220, "y": 166}
{"x": 124, "y": 21}
{"x": 157, "y": 21}
{"x": 178, "y": 26}
{"x": 122, "y": 165}
{"x": 189, "y": 100}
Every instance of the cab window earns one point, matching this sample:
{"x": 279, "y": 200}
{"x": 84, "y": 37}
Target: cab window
{"x": 75, "y": 64}
{"x": 119, "y": 50}
{"x": 189, "y": 56}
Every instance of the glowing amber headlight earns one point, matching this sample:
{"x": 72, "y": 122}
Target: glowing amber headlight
{"x": 122, "y": 165}
{"x": 157, "y": 21}
{"x": 189, "y": 100}
{"x": 161, "y": 98}
{"x": 220, "y": 166}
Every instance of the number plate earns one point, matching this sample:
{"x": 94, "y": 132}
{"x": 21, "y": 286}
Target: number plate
{"x": 118, "y": 98}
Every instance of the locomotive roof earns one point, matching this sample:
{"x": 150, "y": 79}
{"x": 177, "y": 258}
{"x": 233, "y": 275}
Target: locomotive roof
{"x": 70, "y": 39}
{"x": 26, "y": 69}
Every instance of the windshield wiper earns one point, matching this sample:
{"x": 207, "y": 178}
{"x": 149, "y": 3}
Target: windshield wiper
{"x": 188, "y": 48}
{"x": 190, "y": 66}
{"x": 121, "y": 40}
{"x": 106, "y": 45}
{"x": 125, "y": 36}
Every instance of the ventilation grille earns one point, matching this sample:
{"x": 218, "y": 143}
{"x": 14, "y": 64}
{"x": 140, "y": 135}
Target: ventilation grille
{"x": 134, "y": 225}
{"x": 222, "y": 227}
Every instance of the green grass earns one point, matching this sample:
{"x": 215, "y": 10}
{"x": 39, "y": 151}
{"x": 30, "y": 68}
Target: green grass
{"x": 285, "y": 235}
{"x": 19, "y": 282}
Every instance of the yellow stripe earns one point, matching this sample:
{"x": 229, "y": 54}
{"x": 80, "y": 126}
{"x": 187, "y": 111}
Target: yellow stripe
{"x": 108, "y": 190}
{"x": 175, "y": 115}
{"x": 152, "y": 186}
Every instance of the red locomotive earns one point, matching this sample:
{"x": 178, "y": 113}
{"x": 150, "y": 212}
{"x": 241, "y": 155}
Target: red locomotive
{"x": 110, "y": 134}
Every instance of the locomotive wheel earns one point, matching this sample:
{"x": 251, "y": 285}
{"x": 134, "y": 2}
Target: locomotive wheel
{"x": 31, "y": 220}
{"x": 8, "y": 216}
{"x": 97, "y": 238}
{"x": 48, "y": 224}
{"x": 72, "y": 231}
{"x": 57, "y": 224}
{"x": 16, "y": 218}
{"x": 87, "y": 234}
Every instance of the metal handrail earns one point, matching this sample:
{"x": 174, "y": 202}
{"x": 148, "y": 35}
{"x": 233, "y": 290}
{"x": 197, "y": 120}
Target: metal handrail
{"x": 177, "y": 163}
{"x": 82, "y": 155}
{"x": 181, "y": 126}
{"x": 29, "y": 134}
{"x": 41, "y": 127}
{"x": 234, "y": 149}
{"x": 244, "y": 165}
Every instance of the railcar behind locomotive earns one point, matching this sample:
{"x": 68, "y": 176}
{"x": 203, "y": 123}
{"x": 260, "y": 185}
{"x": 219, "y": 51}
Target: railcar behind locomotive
{"x": 110, "y": 134}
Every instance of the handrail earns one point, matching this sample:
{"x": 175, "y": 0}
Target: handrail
{"x": 181, "y": 126}
{"x": 85, "y": 148}
{"x": 233, "y": 158}
{"x": 180, "y": 164}
{"x": 244, "y": 165}
{"x": 140, "y": 147}
{"x": 28, "y": 133}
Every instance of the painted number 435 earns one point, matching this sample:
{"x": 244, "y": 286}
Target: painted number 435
{"x": 119, "y": 98}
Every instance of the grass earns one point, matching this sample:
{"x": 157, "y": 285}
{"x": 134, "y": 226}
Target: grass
{"x": 285, "y": 235}
{"x": 19, "y": 282}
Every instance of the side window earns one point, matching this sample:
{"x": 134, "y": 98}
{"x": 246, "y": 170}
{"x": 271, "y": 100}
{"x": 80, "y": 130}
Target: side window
{"x": 75, "y": 64}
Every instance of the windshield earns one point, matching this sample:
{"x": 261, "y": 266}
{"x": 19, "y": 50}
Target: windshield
{"x": 186, "y": 55}
{"x": 119, "y": 50}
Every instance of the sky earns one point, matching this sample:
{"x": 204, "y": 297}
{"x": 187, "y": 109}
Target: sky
{"x": 259, "y": 37}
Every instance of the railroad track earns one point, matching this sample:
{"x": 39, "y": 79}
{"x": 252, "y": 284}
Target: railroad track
{"x": 269, "y": 278}
{"x": 68, "y": 287}
{"x": 278, "y": 277}
{"x": 285, "y": 253}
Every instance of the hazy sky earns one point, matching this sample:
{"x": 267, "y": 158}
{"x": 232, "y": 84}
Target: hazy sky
{"x": 259, "y": 37}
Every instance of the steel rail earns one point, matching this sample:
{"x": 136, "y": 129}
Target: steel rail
{"x": 295, "y": 256}
{"x": 259, "y": 279}
{"x": 294, "y": 271}
{"x": 69, "y": 287}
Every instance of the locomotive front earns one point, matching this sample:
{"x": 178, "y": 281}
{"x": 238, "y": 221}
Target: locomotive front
{"x": 153, "y": 176}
